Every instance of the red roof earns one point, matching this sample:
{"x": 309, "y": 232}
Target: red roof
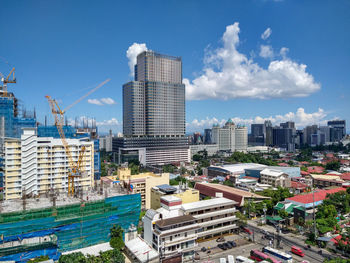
{"x": 283, "y": 164}
{"x": 319, "y": 196}
{"x": 315, "y": 169}
{"x": 304, "y": 162}
{"x": 336, "y": 240}
{"x": 298, "y": 185}
{"x": 304, "y": 173}
{"x": 345, "y": 176}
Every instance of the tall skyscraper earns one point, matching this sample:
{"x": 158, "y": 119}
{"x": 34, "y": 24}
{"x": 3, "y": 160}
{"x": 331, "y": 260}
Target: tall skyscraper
{"x": 154, "y": 112}
{"x": 338, "y": 130}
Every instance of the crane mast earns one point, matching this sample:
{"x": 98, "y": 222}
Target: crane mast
{"x": 75, "y": 168}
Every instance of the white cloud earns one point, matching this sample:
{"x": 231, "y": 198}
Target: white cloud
{"x": 300, "y": 117}
{"x": 108, "y": 101}
{"x": 132, "y": 53}
{"x": 267, "y": 33}
{"x": 266, "y": 51}
{"x": 229, "y": 74}
{"x": 95, "y": 101}
{"x": 284, "y": 51}
{"x": 102, "y": 101}
{"x": 111, "y": 122}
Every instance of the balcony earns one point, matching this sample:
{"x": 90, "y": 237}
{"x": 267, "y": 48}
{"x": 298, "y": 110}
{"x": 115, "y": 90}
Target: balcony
{"x": 218, "y": 221}
{"x": 215, "y": 213}
{"x": 216, "y": 230}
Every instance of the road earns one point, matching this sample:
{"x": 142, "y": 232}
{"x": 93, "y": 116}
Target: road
{"x": 287, "y": 242}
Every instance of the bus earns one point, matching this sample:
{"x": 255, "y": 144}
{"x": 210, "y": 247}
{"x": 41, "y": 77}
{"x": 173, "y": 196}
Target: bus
{"x": 260, "y": 256}
{"x": 297, "y": 251}
{"x": 241, "y": 259}
{"x": 280, "y": 255}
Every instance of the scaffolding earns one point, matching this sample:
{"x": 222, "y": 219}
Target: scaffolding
{"x": 50, "y": 231}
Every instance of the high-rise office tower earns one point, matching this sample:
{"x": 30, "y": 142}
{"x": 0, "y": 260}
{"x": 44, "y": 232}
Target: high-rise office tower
{"x": 154, "y": 112}
{"x": 208, "y": 136}
{"x": 338, "y": 130}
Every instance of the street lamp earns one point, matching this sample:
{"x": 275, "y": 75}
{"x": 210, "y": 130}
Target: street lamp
{"x": 264, "y": 209}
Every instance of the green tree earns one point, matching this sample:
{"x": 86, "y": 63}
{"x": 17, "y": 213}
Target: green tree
{"x": 334, "y": 165}
{"x": 283, "y": 213}
{"x": 117, "y": 241}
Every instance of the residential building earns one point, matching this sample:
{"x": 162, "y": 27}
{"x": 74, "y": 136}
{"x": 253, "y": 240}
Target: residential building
{"x": 154, "y": 112}
{"x": 34, "y": 165}
{"x": 324, "y": 180}
{"x": 241, "y": 138}
{"x": 275, "y": 178}
{"x": 182, "y": 191}
{"x": 141, "y": 183}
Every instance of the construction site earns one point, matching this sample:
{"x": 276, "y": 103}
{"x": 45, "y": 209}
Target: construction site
{"x": 51, "y": 199}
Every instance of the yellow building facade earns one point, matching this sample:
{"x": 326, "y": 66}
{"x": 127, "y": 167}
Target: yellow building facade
{"x": 142, "y": 183}
{"x": 187, "y": 195}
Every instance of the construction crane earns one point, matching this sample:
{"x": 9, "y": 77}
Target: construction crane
{"x": 75, "y": 168}
{"x": 7, "y": 80}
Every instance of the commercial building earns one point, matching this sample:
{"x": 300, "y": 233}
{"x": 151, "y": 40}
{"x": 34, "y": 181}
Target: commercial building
{"x": 232, "y": 170}
{"x": 211, "y": 149}
{"x": 154, "y": 112}
{"x": 324, "y": 180}
{"x": 35, "y": 165}
{"x": 237, "y": 195}
{"x": 182, "y": 191}
{"x": 284, "y": 136}
{"x": 338, "y": 130}
{"x": 230, "y": 137}
{"x": 275, "y": 178}
{"x": 174, "y": 229}
{"x": 141, "y": 183}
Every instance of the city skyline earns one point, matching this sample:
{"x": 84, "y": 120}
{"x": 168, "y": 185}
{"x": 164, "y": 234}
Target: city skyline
{"x": 73, "y": 51}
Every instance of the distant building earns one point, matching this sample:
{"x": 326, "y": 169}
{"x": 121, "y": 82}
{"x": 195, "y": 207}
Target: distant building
{"x": 208, "y": 136}
{"x": 284, "y": 136}
{"x": 337, "y": 130}
{"x": 275, "y": 178}
{"x": 211, "y": 149}
{"x": 230, "y": 137}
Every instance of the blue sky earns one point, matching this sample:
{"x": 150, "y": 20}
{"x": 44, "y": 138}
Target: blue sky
{"x": 232, "y": 70}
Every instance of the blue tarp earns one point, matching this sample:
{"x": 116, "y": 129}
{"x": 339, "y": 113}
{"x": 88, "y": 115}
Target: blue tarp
{"x": 25, "y": 256}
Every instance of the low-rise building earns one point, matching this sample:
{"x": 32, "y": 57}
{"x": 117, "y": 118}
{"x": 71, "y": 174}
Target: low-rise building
{"x": 186, "y": 194}
{"x": 174, "y": 229}
{"x": 235, "y": 194}
{"x": 141, "y": 183}
{"x": 324, "y": 180}
{"x": 275, "y": 178}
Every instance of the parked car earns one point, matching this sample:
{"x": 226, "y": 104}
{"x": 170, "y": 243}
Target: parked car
{"x": 228, "y": 245}
{"x": 285, "y": 230}
{"x": 203, "y": 249}
{"x": 233, "y": 243}
{"x": 220, "y": 239}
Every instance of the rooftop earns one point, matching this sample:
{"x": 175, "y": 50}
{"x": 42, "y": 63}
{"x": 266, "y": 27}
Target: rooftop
{"x": 207, "y": 203}
{"x": 239, "y": 167}
{"x": 232, "y": 190}
{"x": 319, "y": 196}
{"x": 16, "y": 205}
{"x": 174, "y": 220}
{"x": 271, "y": 172}
{"x": 141, "y": 250}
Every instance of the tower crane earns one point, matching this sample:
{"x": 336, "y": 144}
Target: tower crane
{"x": 75, "y": 168}
{"x": 7, "y": 80}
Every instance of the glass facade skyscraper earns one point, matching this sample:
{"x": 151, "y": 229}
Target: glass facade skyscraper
{"x": 154, "y": 109}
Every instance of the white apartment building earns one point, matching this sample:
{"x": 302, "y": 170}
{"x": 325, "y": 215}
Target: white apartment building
{"x": 230, "y": 137}
{"x": 174, "y": 229}
{"x": 34, "y": 165}
{"x": 274, "y": 178}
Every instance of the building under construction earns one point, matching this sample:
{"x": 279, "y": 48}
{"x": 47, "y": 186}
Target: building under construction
{"x": 50, "y": 225}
